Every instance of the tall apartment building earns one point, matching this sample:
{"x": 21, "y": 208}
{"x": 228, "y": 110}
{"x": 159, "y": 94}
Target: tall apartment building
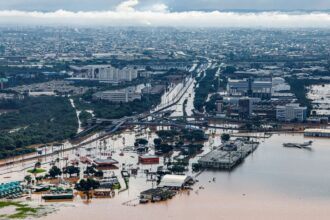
{"x": 291, "y": 112}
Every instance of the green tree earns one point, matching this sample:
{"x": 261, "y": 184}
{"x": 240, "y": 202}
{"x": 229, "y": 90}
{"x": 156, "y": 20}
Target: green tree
{"x": 157, "y": 141}
{"x": 87, "y": 185}
{"x": 141, "y": 141}
{"x": 99, "y": 173}
{"x": 225, "y": 137}
{"x": 28, "y": 179}
{"x": 55, "y": 171}
{"x": 84, "y": 116}
{"x": 164, "y": 148}
{"x": 90, "y": 170}
{"x": 177, "y": 169}
{"x": 37, "y": 165}
{"x": 71, "y": 170}
{"x": 39, "y": 178}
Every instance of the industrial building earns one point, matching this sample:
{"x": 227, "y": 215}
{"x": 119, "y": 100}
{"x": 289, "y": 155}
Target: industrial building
{"x": 317, "y": 132}
{"x": 148, "y": 159}
{"x": 227, "y": 155}
{"x": 175, "y": 181}
{"x": 157, "y": 194}
{"x": 105, "y": 163}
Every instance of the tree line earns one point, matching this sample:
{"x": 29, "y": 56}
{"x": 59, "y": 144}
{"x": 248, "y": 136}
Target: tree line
{"x": 36, "y": 120}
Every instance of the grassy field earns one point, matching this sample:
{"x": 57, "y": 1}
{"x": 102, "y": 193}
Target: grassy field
{"x": 36, "y": 171}
{"x": 22, "y": 211}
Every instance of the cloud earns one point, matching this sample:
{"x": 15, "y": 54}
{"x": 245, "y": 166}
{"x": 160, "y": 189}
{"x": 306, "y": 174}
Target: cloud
{"x": 158, "y": 14}
{"x": 127, "y": 6}
{"x": 159, "y": 7}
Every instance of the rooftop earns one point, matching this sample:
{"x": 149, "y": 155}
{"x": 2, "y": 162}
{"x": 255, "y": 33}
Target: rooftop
{"x": 105, "y": 161}
{"x": 174, "y": 180}
{"x": 318, "y": 130}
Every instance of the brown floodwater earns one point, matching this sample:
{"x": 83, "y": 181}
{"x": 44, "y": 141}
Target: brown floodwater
{"x": 272, "y": 183}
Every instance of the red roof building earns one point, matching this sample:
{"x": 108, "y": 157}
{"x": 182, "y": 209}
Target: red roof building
{"x": 148, "y": 159}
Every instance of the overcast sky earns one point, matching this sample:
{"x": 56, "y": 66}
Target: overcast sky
{"x": 195, "y": 13}
{"x": 174, "y": 5}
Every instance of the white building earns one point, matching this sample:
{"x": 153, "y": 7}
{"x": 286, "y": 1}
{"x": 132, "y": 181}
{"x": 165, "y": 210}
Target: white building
{"x": 174, "y": 181}
{"x": 291, "y": 112}
{"x": 279, "y": 84}
{"x": 122, "y": 95}
{"x": 315, "y": 132}
{"x": 104, "y": 73}
{"x": 41, "y": 93}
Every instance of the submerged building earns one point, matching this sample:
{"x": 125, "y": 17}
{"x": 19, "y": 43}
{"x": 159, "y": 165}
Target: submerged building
{"x": 315, "y": 132}
{"x": 227, "y": 155}
{"x": 175, "y": 181}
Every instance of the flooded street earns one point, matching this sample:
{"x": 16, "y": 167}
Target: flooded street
{"x": 189, "y": 96}
{"x": 273, "y": 183}
{"x": 77, "y": 113}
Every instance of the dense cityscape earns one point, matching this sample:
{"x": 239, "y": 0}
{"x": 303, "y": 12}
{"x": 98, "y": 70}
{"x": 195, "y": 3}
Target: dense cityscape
{"x": 141, "y": 115}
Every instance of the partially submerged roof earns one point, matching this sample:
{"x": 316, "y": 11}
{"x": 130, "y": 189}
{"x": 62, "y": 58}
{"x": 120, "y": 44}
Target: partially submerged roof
{"x": 105, "y": 161}
{"x": 174, "y": 180}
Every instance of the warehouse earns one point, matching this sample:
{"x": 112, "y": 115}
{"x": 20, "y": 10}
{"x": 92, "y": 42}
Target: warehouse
{"x": 148, "y": 159}
{"x": 105, "y": 163}
{"x": 317, "y": 132}
{"x": 175, "y": 181}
